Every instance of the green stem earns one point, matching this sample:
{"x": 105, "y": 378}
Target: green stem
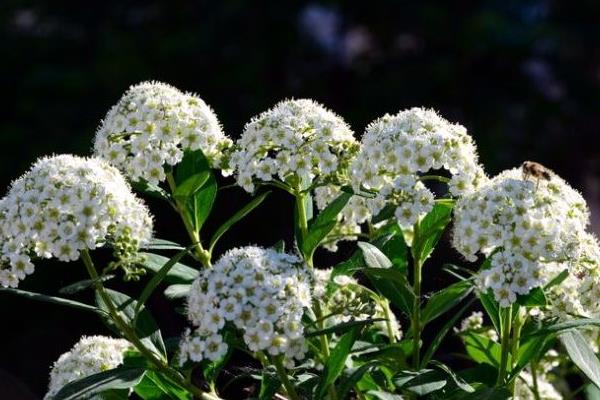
{"x": 129, "y": 333}
{"x": 303, "y": 222}
{"x": 283, "y": 376}
{"x": 505, "y": 344}
{"x": 416, "y": 315}
{"x": 202, "y": 255}
{"x": 536, "y": 391}
{"x": 515, "y": 343}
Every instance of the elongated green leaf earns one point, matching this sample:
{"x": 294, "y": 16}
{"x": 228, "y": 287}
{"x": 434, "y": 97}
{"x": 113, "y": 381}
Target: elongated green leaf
{"x": 320, "y": 227}
{"x": 445, "y": 300}
{"x": 374, "y": 258}
{"x": 269, "y": 385}
{"x": 334, "y": 365}
{"x": 347, "y": 383}
{"x": 431, "y": 228}
{"x": 178, "y": 273}
{"x": 52, "y": 299}
{"x": 582, "y": 355}
{"x": 381, "y": 395}
{"x": 486, "y": 393}
{"x": 482, "y": 350}
{"x": 421, "y": 382}
{"x": 177, "y": 291}
{"x": 168, "y": 387}
{"x": 238, "y": 216}
{"x": 535, "y": 298}
{"x": 491, "y": 307}
{"x": 592, "y": 392}
{"x": 144, "y": 324}
{"x": 151, "y": 190}
{"x": 200, "y": 204}
{"x": 191, "y": 185}
{"x": 439, "y": 337}
{"x": 343, "y": 327}
{"x": 356, "y": 261}
{"x": 392, "y": 284}
{"x": 118, "y": 378}
{"x": 458, "y": 381}
{"x": 157, "y": 279}
{"x": 161, "y": 244}
{"x": 83, "y": 285}
{"x": 396, "y": 250}
{"x": 563, "y": 326}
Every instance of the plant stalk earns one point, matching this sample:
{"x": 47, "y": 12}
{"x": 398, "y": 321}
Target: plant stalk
{"x": 130, "y": 334}
{"x": 283, "y": 376}
{"x": 505, "y": 344}
{"x": 416, "y": 315}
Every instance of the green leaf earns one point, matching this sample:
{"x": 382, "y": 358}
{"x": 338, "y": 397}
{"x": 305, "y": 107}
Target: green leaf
{"x": 239, "y": 215}
{"x": 83, "y": 285}
{"x": 374, "y": 258}
{"x": 439, "y": 337}
{"x": 334, "y": 365}
{"x": 343, "y": 327}
{"x": 563, "y": 326}
{"x": 52, "y": 299}
{"x": 191, "y": 185}
{"x": 118, "y": 378}
{"x": 381, "y": 395}
{"x": 491, "y": 308}
{"x": 151, "y": 190}
{"x": 592, "y": 392}
{"x": 430, "y": 229}
{"x": 396, "y": 250}
{"x": 421, "y": 382}
{"x": 144, "y": 324}
{"x": 356, "y": 261}
{"x": 481, "y": 349}
{"x": 445, "y": 300}
{"x": 582, "y": 355}
{"x": 557, "y": 280}
{"x": 158, "y": 278}
{"x": 392, "y": 284}
{"x": 487, "y": 393}
{"x": 199, "y": 205}
{"x": 161, "y": 244}
{"x": 178, "y": 273}
{"x": 348, "y": 382}
{"x": 458, "y": 381}
{"x": 177, "y": 291}
{"x": 269, "y": 384}
{"x": 320, "y": 227}
{"x": 535, "y": 298}
{"x": 168, "y": 387}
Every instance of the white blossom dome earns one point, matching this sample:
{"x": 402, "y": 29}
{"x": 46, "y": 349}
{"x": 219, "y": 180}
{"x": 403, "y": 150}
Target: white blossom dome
{"x": 65, "y": 204}
{"x": 530, "y": 222}
{"x": 294, "y": 140}
{"x": 152, "y": 125}
{"x": 261, "y": 292}
{"x": 397, "y": 149}
{"x": 524, "y": 388}
{"x": 89, "y": 356}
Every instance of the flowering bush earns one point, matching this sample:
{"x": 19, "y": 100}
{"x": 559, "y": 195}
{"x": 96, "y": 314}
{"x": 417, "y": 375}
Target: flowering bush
{"x": 278, "y": 317}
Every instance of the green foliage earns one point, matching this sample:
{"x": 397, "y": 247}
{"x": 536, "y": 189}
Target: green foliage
{"x": 118, "y": 378}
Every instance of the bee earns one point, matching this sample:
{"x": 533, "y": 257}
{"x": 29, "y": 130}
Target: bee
{"x": 536, "y": 170}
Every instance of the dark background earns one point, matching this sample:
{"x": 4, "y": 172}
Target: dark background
{"x": 522, "y": 76}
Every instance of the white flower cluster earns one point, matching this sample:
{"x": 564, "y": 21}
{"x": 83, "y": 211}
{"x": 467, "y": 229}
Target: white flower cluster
{"x": 528, "y": 222}
{"x": 474, "y": 322}
{"x": 578, "y": 295}
{"x": 293, "y": 141}
{"x": 349, "y": 219}
{"x": 344, "y": 299}
{"x": 397, "y": 149}
{"x": 261, "y": 292}
{"x": 65, "y": 204}
{"x": 91, "y": 355}
{"x": 152, "y": 125}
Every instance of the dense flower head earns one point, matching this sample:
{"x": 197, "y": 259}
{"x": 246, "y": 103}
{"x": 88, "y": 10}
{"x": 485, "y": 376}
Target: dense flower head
{"x": 344, "y": 300}
{"x": 524, "y": 223}
{"x": 474, "y": 323}
{"x": 65, "y": 204}
{"x": 261, "y": 292}
{"x": 578, "y": 295}
{"x": 91, "y": 355}
{"x": 294, "y": 141}
{"x": 152, "y": 125}
{"x": 524, "y": 388}
{"x": 397, "y": 149}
